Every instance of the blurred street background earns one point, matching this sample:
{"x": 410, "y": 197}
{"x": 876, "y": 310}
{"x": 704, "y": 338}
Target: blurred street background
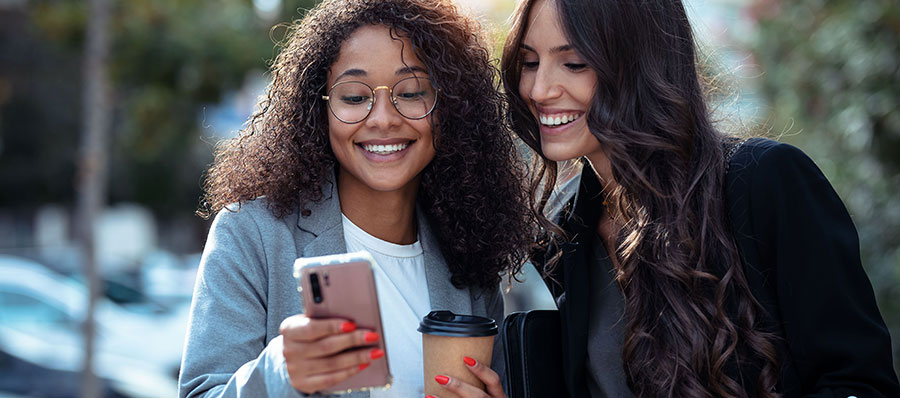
{"x": 822, "y": 75}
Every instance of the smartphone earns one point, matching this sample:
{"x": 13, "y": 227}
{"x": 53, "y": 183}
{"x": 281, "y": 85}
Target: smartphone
{"x": 343, "y": 286}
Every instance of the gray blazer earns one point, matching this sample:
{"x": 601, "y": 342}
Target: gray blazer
{"x": 245, "y": 288}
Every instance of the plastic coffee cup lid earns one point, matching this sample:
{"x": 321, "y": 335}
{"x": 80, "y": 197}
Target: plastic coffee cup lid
{"x": 446, "y": 323}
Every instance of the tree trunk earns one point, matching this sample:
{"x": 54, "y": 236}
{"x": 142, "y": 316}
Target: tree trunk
{"x": 92, "y": 168}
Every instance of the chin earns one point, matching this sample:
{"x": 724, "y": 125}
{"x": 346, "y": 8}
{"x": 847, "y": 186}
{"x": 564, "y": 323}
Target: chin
{"x": 561, "y": 154}
{"x": 386, "y": 184}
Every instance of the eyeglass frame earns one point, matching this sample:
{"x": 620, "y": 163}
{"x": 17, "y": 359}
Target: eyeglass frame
{"x": 390, "y": 90}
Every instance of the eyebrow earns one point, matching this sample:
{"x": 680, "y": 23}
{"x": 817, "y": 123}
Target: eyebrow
{"x": 557, "y": 49}
{"x": 406, "y": 70}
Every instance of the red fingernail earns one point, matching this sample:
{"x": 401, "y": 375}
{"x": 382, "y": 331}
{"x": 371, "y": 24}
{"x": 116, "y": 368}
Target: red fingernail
{"x": 376, "y": 353}
{"x": 469, "y": 361}
{"x": 363, "y": 366}
{"x": 442, "y": 380}
{"x": 371, "y": 337}
{"x": 430, "y": 396}
{"x": 348, "y": 327}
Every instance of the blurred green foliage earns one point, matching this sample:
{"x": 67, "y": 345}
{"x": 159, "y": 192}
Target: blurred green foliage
{"x": 831, "y": 75}
{"x": 170, "y": 60}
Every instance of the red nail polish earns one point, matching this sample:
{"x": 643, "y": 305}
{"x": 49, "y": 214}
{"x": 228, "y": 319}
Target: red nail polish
{"x": 371, "y": 337}
{"x": 376, "y": 353}
{"x": 430, "y": 396}
{"x": 442, "y": 380}
{"x": 469, "y": 361}
{"x": 348, "y": 327}
{"x": 363, "y": 366}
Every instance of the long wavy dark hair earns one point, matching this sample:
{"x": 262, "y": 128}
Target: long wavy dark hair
{"x": 471, "y": 192}
{"x": 692, "y": 324}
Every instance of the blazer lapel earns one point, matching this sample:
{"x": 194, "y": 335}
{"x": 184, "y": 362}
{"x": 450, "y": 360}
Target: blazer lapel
{"x": 441, "y": 293}
{"x": 575, "y": 262}
{"x": 325, "y": 225}
{"x": 323, "y": 222}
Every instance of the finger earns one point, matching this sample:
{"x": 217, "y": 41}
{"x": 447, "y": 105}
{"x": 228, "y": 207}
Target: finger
{"x": 333, "y": 363}
{"x": 330, "y": 345}
{"x": 487, "y": 376}
{"x": 322, "y": 381}
{"x": 459, "y": 387}
{"x": 303, "y": 328}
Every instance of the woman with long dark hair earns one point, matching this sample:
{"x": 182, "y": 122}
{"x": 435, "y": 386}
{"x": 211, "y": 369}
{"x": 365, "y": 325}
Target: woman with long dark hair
{"x": 688, "y": 263}
{"x": 381, "y": 130}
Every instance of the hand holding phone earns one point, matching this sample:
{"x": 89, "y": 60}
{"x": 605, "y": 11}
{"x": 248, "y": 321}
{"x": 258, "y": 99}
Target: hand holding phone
{"x": 337, "y": 345}
{"x": 321, "y": 354}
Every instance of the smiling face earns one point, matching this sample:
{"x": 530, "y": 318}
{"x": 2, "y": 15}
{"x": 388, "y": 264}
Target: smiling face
{"x": 386, "y": 151}
{"x": 557, "y": 86}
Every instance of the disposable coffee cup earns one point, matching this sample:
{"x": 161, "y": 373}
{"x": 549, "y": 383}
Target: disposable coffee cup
{"x": 446, "y": 339}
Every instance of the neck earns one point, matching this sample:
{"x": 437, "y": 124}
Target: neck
{"x": 388, "y": 216}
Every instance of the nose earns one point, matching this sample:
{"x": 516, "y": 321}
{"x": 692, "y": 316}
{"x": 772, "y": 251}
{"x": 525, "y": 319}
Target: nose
{"x": 384, "y": 115}
{"x": 545, "y": 85}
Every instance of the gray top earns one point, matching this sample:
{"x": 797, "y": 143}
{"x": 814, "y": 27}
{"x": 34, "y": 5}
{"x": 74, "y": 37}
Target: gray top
{"x": 245, "y": 288}
{"x": 606, "y": 377}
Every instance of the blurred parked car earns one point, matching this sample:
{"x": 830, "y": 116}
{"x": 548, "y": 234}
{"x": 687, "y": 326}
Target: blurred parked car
{"x": 41, "y": 315}
{"x": 21, "y": 379}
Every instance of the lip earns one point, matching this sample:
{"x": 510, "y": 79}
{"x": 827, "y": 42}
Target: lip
{"x": 385, "y": 141}
{"x": 378, "y": 158}
{"x": 557, "y": 130}
{"x": 554, "y": 111}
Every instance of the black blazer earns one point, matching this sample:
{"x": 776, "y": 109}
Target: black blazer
{"x": 801, "y": 256}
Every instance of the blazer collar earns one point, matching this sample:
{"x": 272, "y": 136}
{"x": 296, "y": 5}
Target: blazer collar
{"x": 324, "y": 223}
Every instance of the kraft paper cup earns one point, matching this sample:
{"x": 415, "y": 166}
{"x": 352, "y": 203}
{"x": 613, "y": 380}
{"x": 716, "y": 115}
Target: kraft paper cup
{"x": 446, "y": 338}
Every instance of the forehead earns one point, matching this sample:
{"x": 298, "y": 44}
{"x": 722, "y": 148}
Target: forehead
{"x": 543, "y": 29}
{"x": 376, "y": 51}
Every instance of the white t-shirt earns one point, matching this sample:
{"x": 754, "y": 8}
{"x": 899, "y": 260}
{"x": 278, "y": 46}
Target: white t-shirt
{"x": 403, "y": 301}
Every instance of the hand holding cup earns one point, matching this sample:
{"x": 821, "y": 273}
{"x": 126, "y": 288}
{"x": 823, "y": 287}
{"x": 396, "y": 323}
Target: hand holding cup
{"x": 450, "y": 342}
{"x": 493, "y": 388}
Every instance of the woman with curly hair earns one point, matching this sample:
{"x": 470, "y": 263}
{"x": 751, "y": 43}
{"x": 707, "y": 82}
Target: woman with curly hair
{"x": 688, "y": 264}
{"x": 381, "y": 130}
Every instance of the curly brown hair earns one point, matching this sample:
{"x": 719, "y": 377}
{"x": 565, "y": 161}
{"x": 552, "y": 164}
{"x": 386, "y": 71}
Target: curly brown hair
{"x": 471, "y": 192}
{"x": 693, "y": 327}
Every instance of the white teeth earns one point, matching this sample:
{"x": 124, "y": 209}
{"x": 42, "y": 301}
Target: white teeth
{"x": 385, "y": 149}
{"x": 558, "y": 120}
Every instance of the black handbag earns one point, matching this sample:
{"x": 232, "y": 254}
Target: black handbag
{"x": 532, "y": 350}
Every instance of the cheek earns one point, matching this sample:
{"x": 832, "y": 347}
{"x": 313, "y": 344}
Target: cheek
{"x": 525, "y": 85}
{"x": 338, "y": 140}
{"x": 430, "y": 138}
{"x": 585, "y": 87}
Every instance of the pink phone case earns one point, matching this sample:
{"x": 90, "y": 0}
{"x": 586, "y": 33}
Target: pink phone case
{"x": 346, "y": 289}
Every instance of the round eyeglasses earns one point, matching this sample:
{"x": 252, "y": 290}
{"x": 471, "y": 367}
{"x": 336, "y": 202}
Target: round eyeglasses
{"x": 352, "y": 101}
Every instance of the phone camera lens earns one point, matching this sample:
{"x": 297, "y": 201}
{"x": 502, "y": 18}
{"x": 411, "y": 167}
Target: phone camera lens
{"x": 316, "y": 289}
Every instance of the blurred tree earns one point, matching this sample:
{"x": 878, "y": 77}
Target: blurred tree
{"x": 170, "y": 60}
{"x": 92, "y": 169}
{"x": 830, "y": 72}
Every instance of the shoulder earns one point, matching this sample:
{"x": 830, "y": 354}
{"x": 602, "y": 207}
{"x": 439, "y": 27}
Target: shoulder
{"x": 257, "y": 211}
{"x": 765, "y": 165}
{"x": 764, "y": 153}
